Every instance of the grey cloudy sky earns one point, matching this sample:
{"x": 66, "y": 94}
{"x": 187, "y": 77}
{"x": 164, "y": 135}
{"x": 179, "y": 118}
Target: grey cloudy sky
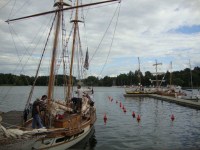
{"x": 162, "y": 30}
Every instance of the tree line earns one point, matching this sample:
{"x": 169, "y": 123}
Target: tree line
{"x": 181, "y": 78}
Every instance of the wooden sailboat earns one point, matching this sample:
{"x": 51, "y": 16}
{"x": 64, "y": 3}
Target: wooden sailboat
{"x": 171, "y": 90}
{"x": 65, "y": 124}
{"x": 136, "y": 89}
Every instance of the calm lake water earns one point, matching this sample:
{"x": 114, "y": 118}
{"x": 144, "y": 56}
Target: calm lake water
{"x": 122, "y": 131}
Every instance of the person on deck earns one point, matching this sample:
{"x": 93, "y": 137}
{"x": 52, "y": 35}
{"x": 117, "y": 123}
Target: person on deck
{"x": 36, "y": 114}
{"x": 43, "y": 103}
{"x": 43, "y": 107}
{"x": 80, "y": 92}
{"x": 77, "y": 101}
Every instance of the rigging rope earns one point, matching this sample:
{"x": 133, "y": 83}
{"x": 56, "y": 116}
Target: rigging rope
{"x": 5, "y": 4}
{"x": 17, "y": 11}
{"x": 111, "y": 41}
{"x": 23, "y": 66}
{"x": 12, "y": 9}
{"x": 103, "y": 36}
{"x": 36, "y": 75}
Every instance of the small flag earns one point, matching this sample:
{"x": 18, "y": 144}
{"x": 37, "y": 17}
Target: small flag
{"x": 86, "y": 64}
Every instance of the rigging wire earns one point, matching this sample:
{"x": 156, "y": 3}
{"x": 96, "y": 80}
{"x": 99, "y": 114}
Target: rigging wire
{"x": 30, "y": 54}
{"x": 5, "y": 4}
{"x": 17, "y": 11}
{"x": 103, "y": 36}
{"x": 12, "y": 9}
{"x": 23, "y": 55}
{"x": 111, "y": 41}
{"x": 36, "y": 75}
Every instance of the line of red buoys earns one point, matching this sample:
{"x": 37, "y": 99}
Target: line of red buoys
{"x": 133, "y": 113}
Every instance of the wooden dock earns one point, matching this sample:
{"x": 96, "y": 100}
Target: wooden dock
{"x": 183, "y": 102}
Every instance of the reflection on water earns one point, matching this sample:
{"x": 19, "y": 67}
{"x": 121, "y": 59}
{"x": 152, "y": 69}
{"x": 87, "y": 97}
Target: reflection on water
{"x": 122, "y": 131}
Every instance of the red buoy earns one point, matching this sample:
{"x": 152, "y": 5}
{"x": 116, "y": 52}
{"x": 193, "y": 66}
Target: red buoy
{"x": 172, "y": 117}
{"x": 138, "y": 118}
{"x": 124, "y": 110}
{"x": 105, "y": 118}
{"x": 133, "y": 114}
{"x": 123, "y": 107}
{"x": 120, "y": 104}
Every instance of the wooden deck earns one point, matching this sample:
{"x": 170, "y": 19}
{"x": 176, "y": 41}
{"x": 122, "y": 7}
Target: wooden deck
{"x": 186, "y": 103}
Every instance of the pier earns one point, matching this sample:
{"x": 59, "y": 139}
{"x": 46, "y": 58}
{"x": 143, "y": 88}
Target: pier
{"x": 183, "y": 102}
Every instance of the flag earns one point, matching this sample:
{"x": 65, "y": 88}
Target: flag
{"x": 86, "y": 64}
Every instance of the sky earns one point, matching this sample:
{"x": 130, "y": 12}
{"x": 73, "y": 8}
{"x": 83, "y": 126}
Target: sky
{"x": 116, "y": 35}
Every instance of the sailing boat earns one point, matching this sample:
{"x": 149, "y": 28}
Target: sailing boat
{"x": 136, "y": 89}
{"x": 190, "y": 95}
{"x": 65, "y": 124}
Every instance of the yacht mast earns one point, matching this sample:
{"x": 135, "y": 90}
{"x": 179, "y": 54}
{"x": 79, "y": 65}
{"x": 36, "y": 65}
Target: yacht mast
{"x": 171, "y": 74}
{"x": 191, "y": 82}
{"x": 139, "y": 74}
{"x": 53, "y": 57}
{"x": 157, "y": 73}
{"x": 75, "y": 21}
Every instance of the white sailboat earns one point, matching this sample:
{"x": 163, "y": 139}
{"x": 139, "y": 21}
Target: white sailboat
{"x": 74, "y": 124}
{"x": 190, "y": 95}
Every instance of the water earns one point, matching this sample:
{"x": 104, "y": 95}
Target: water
{"x": 122, "y": 131}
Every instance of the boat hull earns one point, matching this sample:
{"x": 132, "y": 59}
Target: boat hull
{"x": 61, "y": 142}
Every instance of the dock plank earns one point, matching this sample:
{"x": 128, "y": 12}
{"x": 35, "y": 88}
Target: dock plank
{"x": 186, "y": 103}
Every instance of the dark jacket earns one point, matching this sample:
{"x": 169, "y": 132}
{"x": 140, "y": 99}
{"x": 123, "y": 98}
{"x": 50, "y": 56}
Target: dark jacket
{"x": 34, "y": 107}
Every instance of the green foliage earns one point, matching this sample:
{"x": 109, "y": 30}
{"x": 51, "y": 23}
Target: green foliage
{"x": 181, "y": 78}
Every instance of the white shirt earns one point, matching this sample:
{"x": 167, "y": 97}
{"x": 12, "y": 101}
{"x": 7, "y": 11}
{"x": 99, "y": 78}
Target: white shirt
{"x": 79, "y": 93}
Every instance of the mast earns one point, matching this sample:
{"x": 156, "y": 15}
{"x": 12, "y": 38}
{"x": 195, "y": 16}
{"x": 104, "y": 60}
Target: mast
{"x": 171, "y": 74}
{"x": 156, "y": 64}
{"x": 139, "y": 75}
{"x": 191, "y": 76}
{"x": 75, "y": 21}
{"x": 53, "y": 57}
{"x": 55, "y": 43}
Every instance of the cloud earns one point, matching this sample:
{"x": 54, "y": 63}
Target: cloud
{"x": 150, "y": 29}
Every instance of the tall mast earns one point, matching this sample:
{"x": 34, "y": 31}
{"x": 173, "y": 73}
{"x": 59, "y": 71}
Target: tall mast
{"x": 53, "y": 57}
{"x": 191, "y": 76}
{"x": 139, "y": 75}
{"x": 171, "y": 74}
{"x": 75, "y": 21}
{"x": 156, "y": 64}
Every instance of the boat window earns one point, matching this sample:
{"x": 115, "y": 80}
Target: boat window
{"x": 60, "y": 140}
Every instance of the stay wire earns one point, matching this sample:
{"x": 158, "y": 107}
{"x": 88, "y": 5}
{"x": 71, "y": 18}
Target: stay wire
{"x": 12, "y": 9}
{"x": 112, "y": 38}
{"x": 20, "y": 59}
{"x": 36, "y": 75}
{"x": 103, "y": 36}
{"x": 5, "y": 4}
{"x": 17, "y": 11}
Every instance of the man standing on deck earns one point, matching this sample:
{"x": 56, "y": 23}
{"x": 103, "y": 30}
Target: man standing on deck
{"x": 36, "y": 114}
